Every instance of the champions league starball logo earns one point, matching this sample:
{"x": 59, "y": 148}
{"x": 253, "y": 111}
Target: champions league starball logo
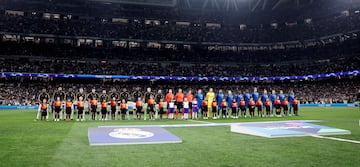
{"x": 130, "y": 133}
{"x": 285, "y": 129}
{"x": 123, "y": 135}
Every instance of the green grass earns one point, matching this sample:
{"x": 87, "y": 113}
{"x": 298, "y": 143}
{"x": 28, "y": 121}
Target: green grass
{"x": 25, "y": 142}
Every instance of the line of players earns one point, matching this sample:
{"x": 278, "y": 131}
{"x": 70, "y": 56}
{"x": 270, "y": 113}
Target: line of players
{"x": 211, "y": 105}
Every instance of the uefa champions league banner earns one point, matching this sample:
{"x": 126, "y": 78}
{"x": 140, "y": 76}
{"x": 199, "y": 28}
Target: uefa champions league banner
{"x": 179, "y": 78}
{"x": 18, "y": 107}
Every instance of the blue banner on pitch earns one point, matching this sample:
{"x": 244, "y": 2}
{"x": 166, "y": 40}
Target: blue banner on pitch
{"x": 130, "y": 135}
{"x": 18, "y": 107}
{"x": 285, "y": 129}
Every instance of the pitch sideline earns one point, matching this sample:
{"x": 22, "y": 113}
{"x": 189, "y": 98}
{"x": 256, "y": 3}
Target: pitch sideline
{"x": 336, "y": 139}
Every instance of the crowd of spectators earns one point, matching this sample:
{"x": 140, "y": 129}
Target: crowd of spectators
{"x": 195, "y": 32}
{"x": 111, "y": 67}
{"x": 197, "y": 53}
{"x": 62, "y": 59}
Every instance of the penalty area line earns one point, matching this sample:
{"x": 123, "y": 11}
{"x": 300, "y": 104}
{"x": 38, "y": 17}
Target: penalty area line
{"x": 337, "y": 139}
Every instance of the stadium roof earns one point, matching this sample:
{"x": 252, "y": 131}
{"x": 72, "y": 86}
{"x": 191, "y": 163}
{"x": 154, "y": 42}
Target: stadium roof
{"x": 230, "y": 5}
{"x": 282, "y": 7}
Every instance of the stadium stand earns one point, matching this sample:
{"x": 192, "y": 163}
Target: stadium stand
{"x": 172, "y": 42}
{"x": 199, "y": 31}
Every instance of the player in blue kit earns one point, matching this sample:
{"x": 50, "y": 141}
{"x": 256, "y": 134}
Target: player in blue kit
{"x": 291, "y": 98}
{"x": 219, "y": 98}
{"x": 238, "y": 97}
{"x": 247, "y": 97}
{"x": 272, "y": 99}
{"x": 264, "y": 96}
{"x": 199, "y": 98}
{"x": 281, "y": 97}
{"x": 229, "y": 99}
{"x": 255, "y": 95}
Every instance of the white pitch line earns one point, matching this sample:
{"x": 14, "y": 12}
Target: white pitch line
{"x": 337, "y": 139}
{"x": 205, "y": 122}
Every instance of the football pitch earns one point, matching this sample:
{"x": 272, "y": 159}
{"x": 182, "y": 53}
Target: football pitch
{"x": 25, "y": 142}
